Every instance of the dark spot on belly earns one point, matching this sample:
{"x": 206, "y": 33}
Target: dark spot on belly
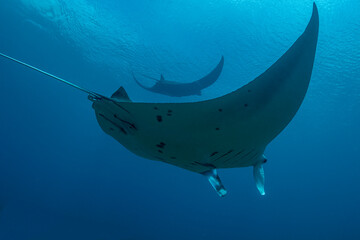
{"x": 233, "y": 157}
{"x": 111, "y": 129}
{"x": 213, "y": 154}
{"x": 159, "y": 118}
{"x": 129, "y": 124}
{"x": 238, "y": 153}
{"x": 220, "y": 110}
{"x": 161, "y": 145}
{"x": 117, "y": 104}
{"x": 155, "y": 108}
{"x": 173, "y": 157}
{"x": 160, "y": 151}
{"x": 249, "y": 91}
{"x": 246, "y": 105}
{"x": 113, "y": 123}
{"x": 225, "y": 154}
{"x": 217, "y": 129}
{"x": 123, "y": 130}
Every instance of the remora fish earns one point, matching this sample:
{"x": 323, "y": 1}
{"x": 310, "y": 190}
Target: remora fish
{"x": 227, "y": 132}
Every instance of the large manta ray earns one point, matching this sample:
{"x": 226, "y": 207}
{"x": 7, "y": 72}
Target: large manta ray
{"x": 177, "y": 89}
{"x": 226, "y": 132}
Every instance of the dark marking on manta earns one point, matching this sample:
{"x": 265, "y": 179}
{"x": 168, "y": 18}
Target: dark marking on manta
{"x": 246, "y": 105}
{"x": 159, "y": 118}
{"x": 131, "y": 125}
{"x": 114, "y": 123}
{"x": 217, "y": 129}
{"x": 206, "y": 164}
{"x": 121, "y": 107}
{"x": 213, "y": 154}
{"x": 237, "y": 154}
{"x": 161, "y": 145}
{"x": 247, "y": 154}
{"x": 225, "y": 154}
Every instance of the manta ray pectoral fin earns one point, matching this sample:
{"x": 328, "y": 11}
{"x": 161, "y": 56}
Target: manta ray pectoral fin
{"x": 215, "y": 181}
{"x": 140, "y": 84}
{"x": 211, "y": 77}
{"x": 259, "y": 176}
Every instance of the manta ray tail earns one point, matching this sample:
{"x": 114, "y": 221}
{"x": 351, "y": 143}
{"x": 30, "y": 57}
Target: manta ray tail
{"x": 92, "y": 95}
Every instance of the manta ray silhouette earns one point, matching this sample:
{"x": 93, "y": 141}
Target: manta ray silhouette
{"x": 177, "y": 89}
{"x": 226, "y": 132}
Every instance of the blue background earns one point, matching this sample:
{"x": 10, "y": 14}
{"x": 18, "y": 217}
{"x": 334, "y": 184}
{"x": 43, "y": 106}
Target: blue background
{"x": 61, "y": 177}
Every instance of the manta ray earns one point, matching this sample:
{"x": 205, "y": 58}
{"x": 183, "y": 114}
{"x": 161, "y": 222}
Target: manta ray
{"x": 177, "y": 89}
{"x": 230, "y": 131}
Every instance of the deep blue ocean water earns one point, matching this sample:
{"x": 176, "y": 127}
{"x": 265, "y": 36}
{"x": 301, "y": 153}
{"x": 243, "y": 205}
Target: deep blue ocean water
{"x": 61, "y": 177}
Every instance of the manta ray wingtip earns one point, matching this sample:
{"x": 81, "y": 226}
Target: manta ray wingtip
{"x": 315, "y": 12}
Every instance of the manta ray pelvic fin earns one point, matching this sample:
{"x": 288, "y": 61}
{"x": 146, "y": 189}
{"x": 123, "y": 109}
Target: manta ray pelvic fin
{"x": 215, "y": 181}
{"x": 259, "y": 175}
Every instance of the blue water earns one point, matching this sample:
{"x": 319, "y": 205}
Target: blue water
{"x": 61, "y": 177}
